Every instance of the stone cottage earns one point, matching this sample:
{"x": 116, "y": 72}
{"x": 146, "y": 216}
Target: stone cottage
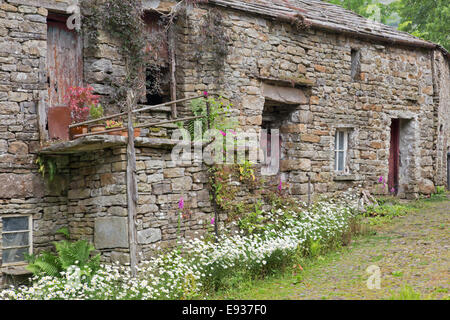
{"x": 353, "y": 100}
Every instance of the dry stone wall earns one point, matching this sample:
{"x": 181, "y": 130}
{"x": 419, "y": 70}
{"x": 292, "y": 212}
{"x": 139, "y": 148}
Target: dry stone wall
{"x": 97, "y": 201}
{"x": 161, "y": 185}
{"x": 395, "y": 82}
{"x": 261, "y": 60}
{"x": 23, "y": 191}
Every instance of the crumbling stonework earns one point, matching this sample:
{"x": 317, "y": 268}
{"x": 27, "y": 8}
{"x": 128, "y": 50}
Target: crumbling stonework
{"x": 396, "y": 82}
{"x": 276, "y": 76}
{"x": 22, "y": 88}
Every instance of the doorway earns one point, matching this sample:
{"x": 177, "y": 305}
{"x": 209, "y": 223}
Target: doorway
{"x": 64, "y": 59}
{"x": 394, "y": 154}
{"x": 64, "y": 70}
{"x": 401, "y": 157}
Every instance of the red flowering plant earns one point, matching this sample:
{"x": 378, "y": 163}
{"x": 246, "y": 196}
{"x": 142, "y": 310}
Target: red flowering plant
{"x": 79, "y": 100}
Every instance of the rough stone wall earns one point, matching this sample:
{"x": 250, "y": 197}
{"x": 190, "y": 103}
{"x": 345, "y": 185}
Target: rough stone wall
{"x": 97, "y": 201}
{"x": 395, "y": 82}
{"x": 97, "y": 191}
{"x": 442, "y": 99}
{"x": 23, "y": 191}
{"x": 161, "y": 185}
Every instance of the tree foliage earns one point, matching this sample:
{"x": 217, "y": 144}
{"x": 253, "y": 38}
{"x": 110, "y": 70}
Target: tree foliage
{"x": 426, "y": 19}
{"x": 372, "y": 9}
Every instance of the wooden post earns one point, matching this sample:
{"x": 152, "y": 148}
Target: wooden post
{"x": 131, "y": 184}
{"x": 309, "y": 189}
{"x": 42, "y": 117}
{"x": 172, "y": 67}
{"x": 216, "y": 215}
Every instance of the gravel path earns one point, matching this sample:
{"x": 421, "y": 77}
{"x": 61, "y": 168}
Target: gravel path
{"x": 413, "y": 249}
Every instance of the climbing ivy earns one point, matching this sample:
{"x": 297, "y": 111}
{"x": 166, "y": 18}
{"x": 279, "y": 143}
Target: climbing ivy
{"x": 212, "y": 39}
{"x": 46, "y": 165}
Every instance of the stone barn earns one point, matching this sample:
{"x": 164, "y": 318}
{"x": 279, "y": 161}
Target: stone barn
{"x": 353, "y": 100}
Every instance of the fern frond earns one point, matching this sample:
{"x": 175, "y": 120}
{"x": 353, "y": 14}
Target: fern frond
{"x": 64, "y": 231}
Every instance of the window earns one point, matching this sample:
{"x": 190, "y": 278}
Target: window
{"x": 16, "y": 238}
{"x": 356, "y": 64}
{"x": 340, "y": 150}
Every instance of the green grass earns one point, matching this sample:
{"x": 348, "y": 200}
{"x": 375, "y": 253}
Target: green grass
{"x": 293, "y": 282}
{"x": 397, "y": 273}
{"x": 262, "y": 289}
{"x": 407, "y": 293}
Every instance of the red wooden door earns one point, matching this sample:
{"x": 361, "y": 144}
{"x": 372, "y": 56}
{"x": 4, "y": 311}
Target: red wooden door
{"x": 64, "y": 70}
{"x": 394, "y": 153}
{"x": 64, "y": 60}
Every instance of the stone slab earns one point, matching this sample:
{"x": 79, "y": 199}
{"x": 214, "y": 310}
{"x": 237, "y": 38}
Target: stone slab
{"x": 284, "y": 94}
{"x": 111, "y": 232}
{"x": 149, "y": 235}
{"x": 20, "y": 185}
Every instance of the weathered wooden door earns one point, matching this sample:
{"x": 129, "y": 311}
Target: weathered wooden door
{"x": 64, "y": 60}
{"x": 394, "y": 153}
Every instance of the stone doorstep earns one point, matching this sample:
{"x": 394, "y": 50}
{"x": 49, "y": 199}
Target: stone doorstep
{"x": 14, "y": 275}
{"x": 16, "y": 270}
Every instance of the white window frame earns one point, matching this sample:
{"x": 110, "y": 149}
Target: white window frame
{"x": 30, "y": 238}
{"x": 337, "y": 150}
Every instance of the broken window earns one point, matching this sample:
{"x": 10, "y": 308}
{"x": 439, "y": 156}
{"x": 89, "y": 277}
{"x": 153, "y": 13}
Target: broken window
{"x": 157, "y": 74}
{"x": 157, "y": 85}
{"x": 274, "y": 115}
{"x": 356, "y": 64}
{"x": 340, "y": 150}
{"x": 16, "y": 238}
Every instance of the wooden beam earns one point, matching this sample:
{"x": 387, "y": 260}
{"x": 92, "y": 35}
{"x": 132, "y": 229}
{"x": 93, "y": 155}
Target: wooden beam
{"x": 133, "y": 111}
{"x": 42, "y": 118}
{"x": 172, "y": 66}
{"x": 132, "y": 194}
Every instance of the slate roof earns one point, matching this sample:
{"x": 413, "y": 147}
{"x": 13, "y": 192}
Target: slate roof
{"x": 330, "y": 17}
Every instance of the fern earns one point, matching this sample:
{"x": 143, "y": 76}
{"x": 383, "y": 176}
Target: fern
{"x": 44, "y": 264}
{"x": 64, "y": 231}
{"x": 67, "y": 254}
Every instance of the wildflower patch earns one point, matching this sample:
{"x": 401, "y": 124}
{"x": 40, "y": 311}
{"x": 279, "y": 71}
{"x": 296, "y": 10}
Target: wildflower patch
{"x": 201, "y": 266}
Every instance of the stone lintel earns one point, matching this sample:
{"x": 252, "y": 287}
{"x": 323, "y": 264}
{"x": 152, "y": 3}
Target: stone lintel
{"x": 284, "y": 95}
{"x": 56, "y": 6}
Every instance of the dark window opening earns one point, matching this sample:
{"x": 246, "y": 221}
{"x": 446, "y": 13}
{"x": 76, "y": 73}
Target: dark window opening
{"x": 356, "y": 64}
{"x": 157, "y": 74}
{"x": 157, "y": 85}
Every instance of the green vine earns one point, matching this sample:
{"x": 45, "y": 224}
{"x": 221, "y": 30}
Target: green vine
{"x": 213, "y": 39}
{"x": 47, "y": 165}
{"x": 227, "y": 181}
{"x": 219, "y": 115}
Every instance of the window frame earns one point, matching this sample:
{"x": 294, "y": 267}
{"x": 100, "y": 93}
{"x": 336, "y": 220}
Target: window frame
{"x": 30, "y": 238}
{"x": 344, "y": 151}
